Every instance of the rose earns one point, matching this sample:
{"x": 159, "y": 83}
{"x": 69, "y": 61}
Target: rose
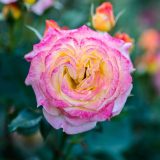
{"x": 80, "y": 77}
{"x": 104, "y": 19}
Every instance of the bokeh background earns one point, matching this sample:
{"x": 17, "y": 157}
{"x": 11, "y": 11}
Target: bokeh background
{"x": 24, "y": 133}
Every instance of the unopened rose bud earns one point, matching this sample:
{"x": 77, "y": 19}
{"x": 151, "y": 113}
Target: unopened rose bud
{"x": 126, "y": 38}
{"x": 104, "y": 20}
{"x": 54, "y": 25}
{"x": 51, "y": 24}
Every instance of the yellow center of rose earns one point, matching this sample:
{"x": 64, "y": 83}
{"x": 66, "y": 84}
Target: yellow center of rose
{"x": 83, "y": 73}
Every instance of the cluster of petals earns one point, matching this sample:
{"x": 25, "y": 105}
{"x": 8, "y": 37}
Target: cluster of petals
{"x": 79, "y": 76}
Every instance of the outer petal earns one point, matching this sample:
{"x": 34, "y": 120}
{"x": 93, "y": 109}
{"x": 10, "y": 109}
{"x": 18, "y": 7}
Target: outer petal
{"x": 120, "y": 101}
{"x": 34, "y": 77}
{"x": 69, "y": 125}
{"x": 44, "y": 46}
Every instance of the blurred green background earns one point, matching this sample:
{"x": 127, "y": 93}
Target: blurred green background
{"x": 133, "y": 135}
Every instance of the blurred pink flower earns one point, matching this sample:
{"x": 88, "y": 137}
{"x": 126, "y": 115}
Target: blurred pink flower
{"x": 156, "y": 80}
{"x": 7, "y": 1}
{"x": 150, "y": 60}
{"x": 80, "y": 77}
{"x": 150, "y": 40}
{"x": 41, "y": 5}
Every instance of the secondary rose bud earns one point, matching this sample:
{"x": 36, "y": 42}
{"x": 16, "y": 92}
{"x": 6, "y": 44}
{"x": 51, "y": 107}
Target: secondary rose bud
{"x": 54, "y": 25}
{"x": 51, "y": 24}
{"x": 80, "y": 77}
{"x": 125, "y": 37}
{"x": 104, "y": 20}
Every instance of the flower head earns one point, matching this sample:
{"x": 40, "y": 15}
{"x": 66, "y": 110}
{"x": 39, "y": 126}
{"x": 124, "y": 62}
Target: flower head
{"x": 104, "y": 19}
{"x": 150, "y": 40}
{"x": 80, "y": 77}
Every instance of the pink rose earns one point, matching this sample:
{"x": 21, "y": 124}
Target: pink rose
{"x": 80, "y": 77}
{"x": 7, "y": 1}
{"x": 41, "y": 5}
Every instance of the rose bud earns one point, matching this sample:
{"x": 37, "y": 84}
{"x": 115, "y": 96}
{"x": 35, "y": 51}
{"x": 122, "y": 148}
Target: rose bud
{"x": 80, "y": 77}
{"x": 104, "y": 19}
{"x": 125, "y": 37}
{"x": 54, "y": 25}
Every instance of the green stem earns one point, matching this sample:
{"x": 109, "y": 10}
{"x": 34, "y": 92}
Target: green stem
{"x": 68, "y": 151}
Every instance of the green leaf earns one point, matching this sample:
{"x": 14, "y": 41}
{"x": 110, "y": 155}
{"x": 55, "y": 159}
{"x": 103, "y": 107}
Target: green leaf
{"x": 26, "y": 119}
{"x": 114, "y": 138}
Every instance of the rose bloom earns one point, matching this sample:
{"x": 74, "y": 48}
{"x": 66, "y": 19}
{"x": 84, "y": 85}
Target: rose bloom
{"x": 80, "y": 77}
{"x": 7, "y": 1}
{"x": 41, "y": 5}
{"x": 150, "y": 40}
{"x": 104, "y": 19}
